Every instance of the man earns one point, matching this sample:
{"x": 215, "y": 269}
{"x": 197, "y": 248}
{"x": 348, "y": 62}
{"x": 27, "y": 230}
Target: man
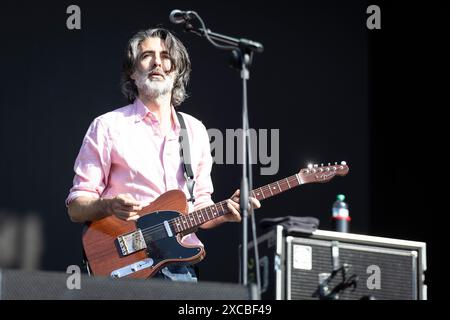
{"x": 130, "y": 156}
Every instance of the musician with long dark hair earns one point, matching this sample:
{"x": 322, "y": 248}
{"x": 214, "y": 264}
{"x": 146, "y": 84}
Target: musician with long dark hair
{"x": 130, "y": 156}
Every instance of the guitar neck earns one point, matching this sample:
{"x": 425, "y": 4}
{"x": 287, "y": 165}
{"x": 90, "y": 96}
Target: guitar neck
{"x": 199, "y": 217}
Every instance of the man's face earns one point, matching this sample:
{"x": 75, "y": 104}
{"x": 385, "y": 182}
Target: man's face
{"x": 153, "y": 76}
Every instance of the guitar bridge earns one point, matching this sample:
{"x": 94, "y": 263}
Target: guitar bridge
{"x": 131, "y": 242}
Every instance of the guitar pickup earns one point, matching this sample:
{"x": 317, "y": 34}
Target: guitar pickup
{"x": 131, "y": 242}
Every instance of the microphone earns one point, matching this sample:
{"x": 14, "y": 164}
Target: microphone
{"x": 185, "y": 17}
{"x": 178, "y": 16}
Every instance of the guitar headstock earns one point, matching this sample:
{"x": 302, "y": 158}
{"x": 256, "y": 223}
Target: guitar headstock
{"x": 316, "y": 173}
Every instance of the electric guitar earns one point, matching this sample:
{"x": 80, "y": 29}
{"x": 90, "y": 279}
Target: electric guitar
{"x": 138, "y": 249}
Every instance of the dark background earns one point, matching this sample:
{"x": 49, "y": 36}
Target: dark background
{"x": 335, "y": 90}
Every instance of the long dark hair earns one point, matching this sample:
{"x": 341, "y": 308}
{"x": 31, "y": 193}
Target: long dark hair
{"x": 180, "y": 63}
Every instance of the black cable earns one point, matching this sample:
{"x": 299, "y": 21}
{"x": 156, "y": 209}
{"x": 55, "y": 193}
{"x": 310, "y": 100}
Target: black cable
{"x": 205, "y": 32}
{"x": 252, "y": 215}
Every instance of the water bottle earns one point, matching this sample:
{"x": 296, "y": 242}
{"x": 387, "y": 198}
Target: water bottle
{"x": 341, "y": 217}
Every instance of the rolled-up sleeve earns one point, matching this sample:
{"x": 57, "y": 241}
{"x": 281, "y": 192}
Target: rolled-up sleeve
{"x": 92, "y": 164}
{"x": 204, "y": 186}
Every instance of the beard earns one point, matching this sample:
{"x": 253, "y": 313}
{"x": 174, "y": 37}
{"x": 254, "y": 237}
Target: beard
{"x": 153, "y": 88}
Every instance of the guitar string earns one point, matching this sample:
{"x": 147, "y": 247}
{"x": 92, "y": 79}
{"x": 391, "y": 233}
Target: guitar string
{"x": 160, "y": 227}
{"x": 147, "y": 232}
{"x": 172, "y": 222}
{"x": 265, "y": 188}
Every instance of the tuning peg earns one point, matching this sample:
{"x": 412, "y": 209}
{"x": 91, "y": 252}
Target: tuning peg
{"x": 321, "y": 164}
{"x": 343, "y": 163}
{"x": 316, "y": 165}
{"x": 310, "y": 165}
{"x": 335, "y": 163}
{"x": 329, "y": 164}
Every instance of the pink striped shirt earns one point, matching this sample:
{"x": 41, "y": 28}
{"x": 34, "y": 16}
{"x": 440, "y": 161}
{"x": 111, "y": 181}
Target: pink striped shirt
{"x": 124, "y": 152}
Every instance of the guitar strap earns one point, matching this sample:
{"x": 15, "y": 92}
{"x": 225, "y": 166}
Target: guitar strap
{"x": 186, "y": 157}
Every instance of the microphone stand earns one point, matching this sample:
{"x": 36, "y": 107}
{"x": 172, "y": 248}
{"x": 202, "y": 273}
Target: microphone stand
{"x": 242, "y": 53}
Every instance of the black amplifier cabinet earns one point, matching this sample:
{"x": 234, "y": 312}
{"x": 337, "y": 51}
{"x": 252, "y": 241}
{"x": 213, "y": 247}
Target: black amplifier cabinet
{"x": 335, "y": 265}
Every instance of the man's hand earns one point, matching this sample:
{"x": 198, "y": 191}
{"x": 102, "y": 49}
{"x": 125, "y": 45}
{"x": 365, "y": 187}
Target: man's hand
{"x": 123, "y": 206}
{"x": 233, "y": 204}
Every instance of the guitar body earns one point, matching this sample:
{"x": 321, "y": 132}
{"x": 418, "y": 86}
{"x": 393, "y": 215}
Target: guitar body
{"x": 105, "y": 255}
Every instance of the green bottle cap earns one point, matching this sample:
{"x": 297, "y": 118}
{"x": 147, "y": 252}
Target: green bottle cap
{"x": 340, "y": 197}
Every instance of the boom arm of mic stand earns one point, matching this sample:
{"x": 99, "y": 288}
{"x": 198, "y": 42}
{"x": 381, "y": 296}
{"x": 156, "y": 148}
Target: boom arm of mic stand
{"x": 233, "y": 43}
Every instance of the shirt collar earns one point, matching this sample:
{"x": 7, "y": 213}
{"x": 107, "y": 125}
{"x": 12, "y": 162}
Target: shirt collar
{"x": 142, "y": 112}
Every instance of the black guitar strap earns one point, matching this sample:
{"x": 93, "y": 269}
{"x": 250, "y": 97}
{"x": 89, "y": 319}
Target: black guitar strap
{"x": 186, "y": 157}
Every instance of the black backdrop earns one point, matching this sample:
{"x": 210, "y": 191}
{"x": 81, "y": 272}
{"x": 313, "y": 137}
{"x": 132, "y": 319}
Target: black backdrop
{"x": 335, "y": 90}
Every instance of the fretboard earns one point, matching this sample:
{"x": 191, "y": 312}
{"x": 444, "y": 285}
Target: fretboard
{"x": 199, "y": 217}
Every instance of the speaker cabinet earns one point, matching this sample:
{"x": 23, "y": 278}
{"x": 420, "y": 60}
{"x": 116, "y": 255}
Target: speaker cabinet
{"x": 334, "y": 265}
